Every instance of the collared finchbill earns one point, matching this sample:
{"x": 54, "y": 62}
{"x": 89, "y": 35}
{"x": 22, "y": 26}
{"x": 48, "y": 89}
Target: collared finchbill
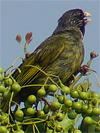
{"x": 86, "y": 14}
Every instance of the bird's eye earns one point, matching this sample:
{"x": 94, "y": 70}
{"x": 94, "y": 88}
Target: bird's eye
{"x": 80, "y": 14}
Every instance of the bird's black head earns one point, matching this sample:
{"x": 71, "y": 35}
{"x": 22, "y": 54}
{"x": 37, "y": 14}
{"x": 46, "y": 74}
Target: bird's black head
{"x": 73, "y": 18}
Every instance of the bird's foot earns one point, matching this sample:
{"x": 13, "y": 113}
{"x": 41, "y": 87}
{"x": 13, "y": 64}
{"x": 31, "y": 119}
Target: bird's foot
{"x": 84, "y": 69}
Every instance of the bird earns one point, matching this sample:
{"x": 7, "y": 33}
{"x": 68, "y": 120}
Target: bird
{"x": 60, "y": 55}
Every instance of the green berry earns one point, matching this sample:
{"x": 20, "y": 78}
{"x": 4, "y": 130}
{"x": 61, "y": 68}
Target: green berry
{"x": 89, "y": 111}
{"x": 84, "y": 108}
{"x": 46, "y": 108}
{"x": 2, "y": 88}
{"x": 41, "y": 92}
{"x": 74, "y": 94}
{"x": 96, "y": 111}
{"x": 3, "y": 129}
{"x": 65, "y": 90}
{"x": 77, "y": 105}
{"x": 83, "y": 95}
{"x": 31, "y": 99}
{"x": 55, "y": 105}
{"x": 4, "y": 118}
{"x": 95, "y": 95}
{"x": 6, "y": 95}
{"x": 61, "y": 99}
{"x": 88, "y": 120}
{"x": 68, "y": 103}
{"x": 15, "y": 87}
{"x": 30, "y": 111}
{"x": 60, "y": 116}
{"x": 19, "y": 115}
{"x": 8, "y": 82}
{"x": 52, "y": 88}
{"x": 40, "y": 113}
{"x": 58, "y": 128}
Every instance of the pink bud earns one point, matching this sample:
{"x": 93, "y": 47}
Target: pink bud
{"x": 28, "y": 36}
{"x": 18, "y": 38}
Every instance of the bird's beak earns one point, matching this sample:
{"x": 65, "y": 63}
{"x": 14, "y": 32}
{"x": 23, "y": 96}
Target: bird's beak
{"x": 86, "y": 14}
{"x": 86, "y": 20}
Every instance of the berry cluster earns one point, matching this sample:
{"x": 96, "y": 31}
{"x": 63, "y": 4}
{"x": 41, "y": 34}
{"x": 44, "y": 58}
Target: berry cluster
{"x": 38, "y": 114}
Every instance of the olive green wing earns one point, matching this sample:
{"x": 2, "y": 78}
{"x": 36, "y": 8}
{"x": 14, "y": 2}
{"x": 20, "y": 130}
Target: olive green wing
{"x": 41, "y": 58}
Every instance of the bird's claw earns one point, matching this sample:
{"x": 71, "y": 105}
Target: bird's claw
{"x": 84, "y": 69}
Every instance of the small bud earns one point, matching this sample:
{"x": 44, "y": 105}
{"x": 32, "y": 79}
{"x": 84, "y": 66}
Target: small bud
{"x": 27, "y": 55}
{"x": 93, "y": 55}
{"x": 28, "y": 36}
{"x": 18, "y": 38}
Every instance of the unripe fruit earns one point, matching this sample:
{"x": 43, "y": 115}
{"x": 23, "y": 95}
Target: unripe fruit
{"x": 31, "y": 99}
{"x": 8, "y": 81}
{"x": 4, "y": 118}
{"x": 77, "y": 105}
{"x": 65, "y": 89}
{"x": 96, "y": 111}
{"x": 84, "y": 108}
{"x": 68, "y": 103}
{"x": 52, "y": 88}
{"x": 89, "y": 111}
{"x": 95, "y": 95}
{"x": 61, "y": 99}
{"x": 40, "y": 113}
{"x": 41, "y": 92}
{"x": 74, "y": 94}
{"x": 55, "y": 105}
{"x": 58, "y": 128}
{"x": 2, "y": 88}
{"x": 30, "y": 111}
{"x": 88, "y": 120}
{"x": 46, "y": 108}
{"x": 3, "y": 129}
{"x": 6, "y": 95}
{"x": 60, "y": 116}
{"x": 15, "y": 87}
{"x": 19, "y": 115}
{"x": 83, "y": 95}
